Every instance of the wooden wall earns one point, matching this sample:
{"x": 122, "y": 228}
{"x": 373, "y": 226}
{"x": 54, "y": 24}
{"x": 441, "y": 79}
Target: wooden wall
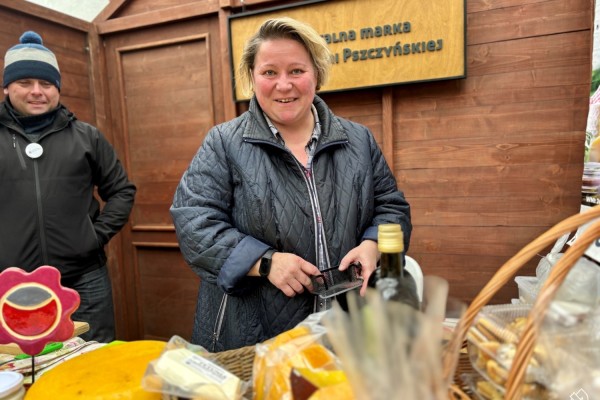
{"x": 488, "y": 162}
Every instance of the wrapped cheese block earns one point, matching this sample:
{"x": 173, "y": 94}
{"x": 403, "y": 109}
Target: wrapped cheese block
{"x": 193, "y": 374}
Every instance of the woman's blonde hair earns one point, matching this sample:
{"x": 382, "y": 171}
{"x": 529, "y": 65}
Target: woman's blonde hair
{"x": 284, "y": 28}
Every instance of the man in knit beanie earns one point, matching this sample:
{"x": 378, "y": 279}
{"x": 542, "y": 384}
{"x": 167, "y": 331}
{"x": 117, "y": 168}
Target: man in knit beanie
{"x": 51, "y": 167}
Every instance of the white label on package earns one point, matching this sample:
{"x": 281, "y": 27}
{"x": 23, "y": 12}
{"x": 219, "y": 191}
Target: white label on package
{"x": 207, "y": 368}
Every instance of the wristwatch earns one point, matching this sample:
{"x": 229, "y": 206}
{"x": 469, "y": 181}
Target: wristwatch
{"x": 265, "y": 263}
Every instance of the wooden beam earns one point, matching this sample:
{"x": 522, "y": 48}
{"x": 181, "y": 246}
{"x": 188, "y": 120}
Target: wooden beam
{"x": 154, "y": 18}
{"x": 44, "y": 13}
{"x": 387, "y": 122}
{"x": 99, "y": 84}
{"x": 242, "y": 3}
{"x": 111, "y": 9}
{"x": 226, "y": 77}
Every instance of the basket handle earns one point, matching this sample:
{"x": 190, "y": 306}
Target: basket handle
{"x": 503, "y": 275}
{"x": 559, "y": 272}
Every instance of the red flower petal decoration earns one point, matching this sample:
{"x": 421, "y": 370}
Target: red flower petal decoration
{"x": 35, "y": 309}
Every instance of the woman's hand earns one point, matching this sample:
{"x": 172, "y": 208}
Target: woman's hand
{"x": 290, "y": 273}
{"x": 367, "y": 254}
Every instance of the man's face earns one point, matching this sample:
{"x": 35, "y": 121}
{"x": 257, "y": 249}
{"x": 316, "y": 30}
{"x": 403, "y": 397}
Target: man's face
{"x": 31, "y": 96}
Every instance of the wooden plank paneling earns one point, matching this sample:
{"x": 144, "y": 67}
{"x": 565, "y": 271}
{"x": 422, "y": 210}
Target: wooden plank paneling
{"x": 480, "y": 91}
{"x": 167, "y": 300}
{"x": 468, "y": 275}
{"x": 474, "y": 6}
{"x": 160, "y": 16}
{"x": 560, "y": 50}
{"x": 490, "y": 162}
{"x": 531, "y": 180}
{"x": 495, "y": 147}
{"x": 472, "y": 241}
{"x": 491, "y": 211}
{"x": 184, "y": 68}
{"x": 143, "y": 7}
{"x": 519, "y": 20}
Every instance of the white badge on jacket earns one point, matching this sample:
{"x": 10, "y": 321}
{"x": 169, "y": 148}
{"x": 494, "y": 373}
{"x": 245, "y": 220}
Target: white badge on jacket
{"x": 34, "y": 150}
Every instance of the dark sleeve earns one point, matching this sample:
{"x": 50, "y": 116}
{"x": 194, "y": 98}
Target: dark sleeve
{"x": 209, "y": 241}
{"x": 390, "y": 204}
{"x": 114, "y": 189}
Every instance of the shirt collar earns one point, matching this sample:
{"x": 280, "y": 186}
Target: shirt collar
{"x": 316, "y": 130}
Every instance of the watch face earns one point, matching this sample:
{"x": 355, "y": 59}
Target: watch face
{"x": 265, "y": 266}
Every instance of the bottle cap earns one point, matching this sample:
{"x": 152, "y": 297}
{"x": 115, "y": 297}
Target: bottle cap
{"x": 390, "y": 238}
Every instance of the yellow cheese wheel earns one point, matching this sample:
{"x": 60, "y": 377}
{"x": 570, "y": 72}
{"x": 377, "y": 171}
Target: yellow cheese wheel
{"x": 111, "y": 372}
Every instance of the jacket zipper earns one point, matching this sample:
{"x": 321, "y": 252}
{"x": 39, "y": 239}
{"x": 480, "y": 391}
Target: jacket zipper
{"x": 219, "y": 322}
{"x": 17, "y": 147}
{"x": 38, "y": 196}
{"x": 316, "y": 211}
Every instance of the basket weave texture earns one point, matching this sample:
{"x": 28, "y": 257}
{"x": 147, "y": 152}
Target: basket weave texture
{"x": 238, "y": 361}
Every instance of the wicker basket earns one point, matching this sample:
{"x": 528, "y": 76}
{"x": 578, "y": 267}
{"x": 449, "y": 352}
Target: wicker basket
{"x": 238, "y": 361}
{"x": 536, "y": 315}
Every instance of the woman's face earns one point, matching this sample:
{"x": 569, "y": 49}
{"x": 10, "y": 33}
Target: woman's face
{"x": 285, "y": 82}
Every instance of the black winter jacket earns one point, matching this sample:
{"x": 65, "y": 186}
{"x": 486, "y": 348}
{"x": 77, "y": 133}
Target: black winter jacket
{"x": 243, "y": 193}
{"x": 48, "y": 213}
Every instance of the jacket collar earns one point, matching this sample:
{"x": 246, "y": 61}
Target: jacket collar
{"x": 63, "y": 117}
{"x": 258, "y": 129}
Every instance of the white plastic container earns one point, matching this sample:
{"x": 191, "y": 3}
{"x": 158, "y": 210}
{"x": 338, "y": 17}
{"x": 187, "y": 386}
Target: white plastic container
{"x": 11, "y": 386}
{"x": 528, "y": 288}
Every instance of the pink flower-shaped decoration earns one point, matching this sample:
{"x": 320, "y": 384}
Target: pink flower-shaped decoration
{"x": 35, "y": 309}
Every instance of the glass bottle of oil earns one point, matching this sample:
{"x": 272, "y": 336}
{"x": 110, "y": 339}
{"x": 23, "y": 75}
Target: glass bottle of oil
{"x": 394, "y": 282}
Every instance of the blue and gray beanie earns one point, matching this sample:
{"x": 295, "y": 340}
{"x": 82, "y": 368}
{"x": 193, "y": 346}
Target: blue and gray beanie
{"x": 30, "y": 59}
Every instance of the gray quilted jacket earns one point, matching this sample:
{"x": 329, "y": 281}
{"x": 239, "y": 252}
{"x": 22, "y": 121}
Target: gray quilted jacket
{"x": 243, "y": 193}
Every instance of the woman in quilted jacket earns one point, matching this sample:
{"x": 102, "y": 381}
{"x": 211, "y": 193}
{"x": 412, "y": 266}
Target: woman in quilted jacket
{"x": 280, "y": 193}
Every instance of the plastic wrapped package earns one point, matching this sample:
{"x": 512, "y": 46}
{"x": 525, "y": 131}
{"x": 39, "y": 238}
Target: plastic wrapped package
{"x": 565, "y": 360}
{"x": 528, "y": 288}
{"x": 581, "y": 286}
{"x": 548, "y": 261}
{"x": 571, "y": 357}
{"x": 185, "y": 370}
{"x": 492, "y": 343}
{"x": 297, "y": 364}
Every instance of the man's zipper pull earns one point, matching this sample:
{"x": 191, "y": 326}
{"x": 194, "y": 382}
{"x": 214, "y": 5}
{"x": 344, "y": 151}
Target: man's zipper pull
{"x": 14, "y": 141}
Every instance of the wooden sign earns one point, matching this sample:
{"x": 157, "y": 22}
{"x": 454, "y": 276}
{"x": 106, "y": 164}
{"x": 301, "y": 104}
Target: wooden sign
{"x": 374, "y": 43}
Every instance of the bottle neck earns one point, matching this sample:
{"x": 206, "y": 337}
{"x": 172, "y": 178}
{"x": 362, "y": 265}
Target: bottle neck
{"x": 392, "y": 265}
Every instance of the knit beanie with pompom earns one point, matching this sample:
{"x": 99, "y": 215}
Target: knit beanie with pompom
{"x": 30, "y": 59}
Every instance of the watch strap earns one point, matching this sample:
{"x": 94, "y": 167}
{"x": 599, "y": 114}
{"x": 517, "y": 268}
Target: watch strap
{"x": 265, "y": 263}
